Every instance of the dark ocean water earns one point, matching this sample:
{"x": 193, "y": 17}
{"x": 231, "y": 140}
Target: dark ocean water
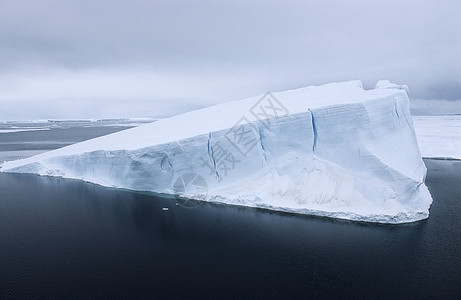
{"x": 69, "y": 239}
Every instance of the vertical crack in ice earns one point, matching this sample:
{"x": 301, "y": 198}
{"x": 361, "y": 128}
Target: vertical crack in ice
{"x": 261, "y": 143}
{"x": 314, "y": 129}
{"x": 166, "y": 162}
{"x": 396, "y": 109}
{"x": 162, "y": 163}
{"x": 406, "y": 116}
{"x": 403, "y": 111}
{"x": 211, "y": 155}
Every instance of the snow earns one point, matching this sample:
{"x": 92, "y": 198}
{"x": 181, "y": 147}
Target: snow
{"x": 334, "y": 150}
{"x": 386, "y": 84}
{"x": 439, "y": 136}
{"x": 13, "y": 130}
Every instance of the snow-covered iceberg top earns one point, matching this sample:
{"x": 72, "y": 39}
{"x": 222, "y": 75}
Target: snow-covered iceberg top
{"x": 334, "y": 150}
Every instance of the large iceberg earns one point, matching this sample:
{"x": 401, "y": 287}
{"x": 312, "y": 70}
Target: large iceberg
{"x": 333, "y": 150}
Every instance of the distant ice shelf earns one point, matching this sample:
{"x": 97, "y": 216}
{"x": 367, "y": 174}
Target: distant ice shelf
{"x": 333, "y": 150}
{"x": 439, "y": 136}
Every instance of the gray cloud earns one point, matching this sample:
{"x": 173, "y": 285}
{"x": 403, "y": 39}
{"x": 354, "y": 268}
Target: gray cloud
{"x": 209, "y": 51}
{"x": 435, "y": 107}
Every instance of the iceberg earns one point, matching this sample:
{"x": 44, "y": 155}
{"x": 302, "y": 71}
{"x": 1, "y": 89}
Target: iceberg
{"x": 335, "y": 150}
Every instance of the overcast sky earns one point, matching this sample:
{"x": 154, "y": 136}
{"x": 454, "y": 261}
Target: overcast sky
{"x": 113, "y": 58}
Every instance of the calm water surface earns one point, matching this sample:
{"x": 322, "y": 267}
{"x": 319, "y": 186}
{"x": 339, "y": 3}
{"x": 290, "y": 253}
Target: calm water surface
{"x": 65, "y": 238}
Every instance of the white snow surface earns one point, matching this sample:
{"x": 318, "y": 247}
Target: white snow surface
{"x": 333, "y": 150}
{"x": 23, "y": 129}
{"x": 439, "y": 136}
{"x": 386, "y": 84}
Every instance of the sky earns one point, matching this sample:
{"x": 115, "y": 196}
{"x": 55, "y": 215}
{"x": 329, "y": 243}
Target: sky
{"x": 113, "y": 58}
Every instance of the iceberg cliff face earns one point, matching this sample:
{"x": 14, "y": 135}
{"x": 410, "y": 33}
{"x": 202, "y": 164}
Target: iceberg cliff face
{"x": 334, "y": 150}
